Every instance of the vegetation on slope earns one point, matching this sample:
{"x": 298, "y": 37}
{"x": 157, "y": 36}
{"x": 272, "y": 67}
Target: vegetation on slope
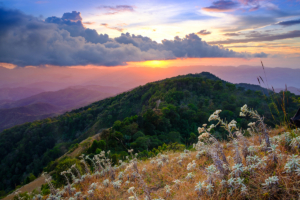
{"x": 257, "y": 163}
{"x": 185, "y": 102}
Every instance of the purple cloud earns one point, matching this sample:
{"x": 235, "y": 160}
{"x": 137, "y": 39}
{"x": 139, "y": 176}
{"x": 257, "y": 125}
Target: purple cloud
{"x": 114, "y": 28}
{"x": 222, "y": 6}
{"x": 73, "y": 16}
{"x": 289, "y": 23}
{"x": 111, "y": 10}
{"x": 232, "y": 34}
{"x": 259, "y": 37}
{"x": 204, "y": 32}
{"x": 89, "y": 23}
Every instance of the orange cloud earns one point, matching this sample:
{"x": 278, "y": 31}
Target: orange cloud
{"x": 89, "y": 23}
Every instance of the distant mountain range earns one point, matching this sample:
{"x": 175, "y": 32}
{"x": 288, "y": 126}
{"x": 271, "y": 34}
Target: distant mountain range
{"x": 19, "y": 115}
{"x": 294, "y": 90}
{"x": 18, "y": 93}
{"x": 48, "y": 104}
{"x": 57, "y": 78}
{"x": 65, "y": 99}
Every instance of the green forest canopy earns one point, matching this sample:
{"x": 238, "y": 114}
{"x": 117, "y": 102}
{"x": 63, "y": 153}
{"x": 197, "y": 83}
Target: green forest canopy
{"x": 187, "y": 102}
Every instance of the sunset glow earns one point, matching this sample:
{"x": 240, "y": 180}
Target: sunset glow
{"x": 149, "y": 34}
{"x": 154, "y": 63}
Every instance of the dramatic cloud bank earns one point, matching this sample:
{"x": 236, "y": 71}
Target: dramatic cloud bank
{"x": 27, "y": 40}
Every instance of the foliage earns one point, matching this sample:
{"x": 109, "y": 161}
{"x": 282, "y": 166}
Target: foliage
{"x": 186, "y": 101}
{"x": 239, "y": 168}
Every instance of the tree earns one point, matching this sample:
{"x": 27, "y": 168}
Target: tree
{"x": 193, "y": 138}
{"x": 141, "y": 143}
{"x": 137, "y": 135}
{"x": 174, "y": 136}
{"x": 231, "y": 87}
{"x": 30, "y": 178}
{"x": 218, "y": 85}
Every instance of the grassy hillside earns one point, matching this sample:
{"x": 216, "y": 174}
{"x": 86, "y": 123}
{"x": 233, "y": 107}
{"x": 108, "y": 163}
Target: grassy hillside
{"x": 257, "y": 163}
{"x": 136, "y": 122}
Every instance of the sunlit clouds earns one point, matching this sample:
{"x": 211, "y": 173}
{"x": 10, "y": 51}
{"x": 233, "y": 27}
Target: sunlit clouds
{"x": 248, "y": 28}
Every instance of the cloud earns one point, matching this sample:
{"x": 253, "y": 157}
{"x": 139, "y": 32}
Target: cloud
{"x": 111, "y": 10}
{"x": 222, "y": 6}
{"x": 204, "y": 32}
{"x": 89, "y": 23}
{"x": 250, "y": 22}
{"x": 27, "y": 40}
{"x": 73, "y": 16}
{"x": 72, "y": 22}
{"x": 191, "y": 46}
{"x": 289, "y": 23}
{"x": 114, "y": 28}
{"x": 259, "y": 37}
{"x": 232, "y": 34}
{"x": 245, "y": 5}
{"x": 253, "y": 5}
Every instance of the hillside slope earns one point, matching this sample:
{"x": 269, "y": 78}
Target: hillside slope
{"x": 241, "y": 168}
{"x": 186, "y": 102}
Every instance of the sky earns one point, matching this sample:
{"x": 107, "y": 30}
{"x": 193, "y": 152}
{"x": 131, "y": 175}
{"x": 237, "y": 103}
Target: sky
{"x": 167, "y": 33}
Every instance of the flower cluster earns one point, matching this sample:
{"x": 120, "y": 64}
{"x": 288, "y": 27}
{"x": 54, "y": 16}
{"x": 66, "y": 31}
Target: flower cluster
{"x": 216, "y": 170}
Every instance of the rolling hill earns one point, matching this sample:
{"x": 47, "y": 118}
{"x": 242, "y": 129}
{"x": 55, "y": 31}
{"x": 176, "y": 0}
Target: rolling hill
{"x": 19, "y": 115}
{"x": 48, "y": 104}
{"x": 66, "y": 99}
{"x": 294, "y": 90}
{"x": 18, "y": 93}
{"x": 136, "y": 118}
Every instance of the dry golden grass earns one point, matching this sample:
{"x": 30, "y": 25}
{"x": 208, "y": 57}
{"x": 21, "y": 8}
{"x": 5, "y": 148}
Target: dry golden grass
{"x": 34, "y": 185}
{"x": 156, "y": 178}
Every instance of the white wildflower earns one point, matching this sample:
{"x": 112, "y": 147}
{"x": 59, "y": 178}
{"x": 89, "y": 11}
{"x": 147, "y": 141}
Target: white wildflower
{"x": 106, "y": 182}
{"x": 191, "y": 165}
{"x": 242, "y": 114}
{"x": 292, "y": 164}
{"x": 130, "y": 190}
{"x": 209, "y": 188}
{"x": 251, "y": 124}
{"x": 190, "y": 176}
{"x": 117, "y": 184}
{"x": 270, "y": 182}
{"x": 168, "y": 189}
{"x": 199, "y": 187}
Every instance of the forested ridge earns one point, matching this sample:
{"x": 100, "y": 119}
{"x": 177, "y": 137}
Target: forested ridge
{"x": 135, "y": 121}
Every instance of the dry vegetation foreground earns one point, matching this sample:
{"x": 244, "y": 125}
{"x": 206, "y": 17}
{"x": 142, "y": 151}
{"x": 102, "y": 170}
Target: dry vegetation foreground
{"x": 265, "y": 165}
